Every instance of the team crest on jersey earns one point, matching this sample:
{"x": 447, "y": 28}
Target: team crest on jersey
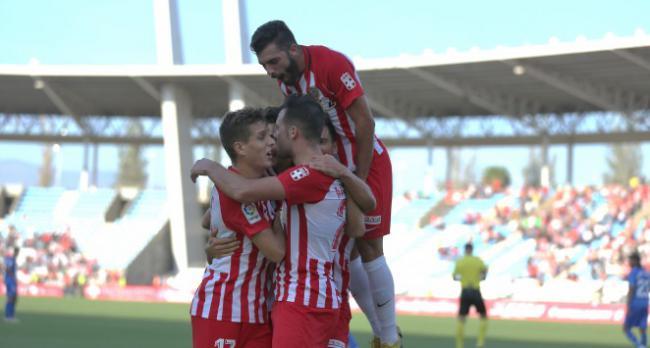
{"x": 250, "y": 212}
{"x": 299, "y": 173}
{"x": 348, "y": 81}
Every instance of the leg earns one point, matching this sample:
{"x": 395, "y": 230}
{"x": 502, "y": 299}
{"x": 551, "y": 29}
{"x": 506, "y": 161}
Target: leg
{"x": 360, "y": 289}
{"x": 633, "y": 318}
{"x": 370, "y": 247}
{"x": 644, "y": 337}
{"x": 630, "y": 335}
{"x": 460, "y": 331}
{"x": 381, "y": 282}
{"x": 482, "y": 331}
{"x": 463, "y": 310}
{"x": 10, "y": 306}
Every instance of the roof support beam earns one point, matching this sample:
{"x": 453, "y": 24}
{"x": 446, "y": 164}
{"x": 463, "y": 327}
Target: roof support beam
{"x": 388, "y": 112}
{"x": 147, "y": 87}
{"x": 633, "y": 58}
{"x": 455, "y": 89}
{"x": 606, "y": 97}
{"x": 60, "y": 104}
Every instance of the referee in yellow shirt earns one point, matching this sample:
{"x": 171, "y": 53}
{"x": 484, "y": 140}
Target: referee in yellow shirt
{"x": 470, "y": 270}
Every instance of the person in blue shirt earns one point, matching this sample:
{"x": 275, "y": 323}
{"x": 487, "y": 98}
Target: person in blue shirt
{"x": 11, "y": 284}
{"x": 636, "y": 313}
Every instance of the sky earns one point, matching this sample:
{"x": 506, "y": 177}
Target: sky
{"x": 110, "y": 32}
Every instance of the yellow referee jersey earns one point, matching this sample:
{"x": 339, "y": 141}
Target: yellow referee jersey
{"x": 469, "y": 269}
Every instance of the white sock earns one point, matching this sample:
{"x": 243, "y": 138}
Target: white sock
{"x": 383, "y": 292}
{"x": 360, "y": 290}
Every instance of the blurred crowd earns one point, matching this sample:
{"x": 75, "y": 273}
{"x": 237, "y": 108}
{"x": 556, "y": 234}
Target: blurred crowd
{"x": 579, "y": 232}
{"x": 53, "y": 259}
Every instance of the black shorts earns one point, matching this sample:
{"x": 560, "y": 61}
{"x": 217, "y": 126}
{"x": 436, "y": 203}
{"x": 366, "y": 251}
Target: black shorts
{"x": 471, "y": 297}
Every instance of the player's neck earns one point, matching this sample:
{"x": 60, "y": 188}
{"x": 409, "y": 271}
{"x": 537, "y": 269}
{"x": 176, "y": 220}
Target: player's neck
{"x": 304, "y": 152}
{"x": 300, "y": 60}
{"x": 248, "y": 171}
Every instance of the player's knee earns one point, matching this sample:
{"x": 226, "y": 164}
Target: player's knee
{"x": 370, "y": 249}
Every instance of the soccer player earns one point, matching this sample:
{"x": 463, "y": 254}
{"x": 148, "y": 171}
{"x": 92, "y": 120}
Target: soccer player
{"x": 313, "y": 216}
{"x": 342, "y": 337}
{"x": 330, "y": 77}
{"x": 11, "y": 284}
{"x": 229, "y": 306}
{"x": 354, "y": 224}
{"x": 470, "y": 270}
{"x": 636, "y": 311}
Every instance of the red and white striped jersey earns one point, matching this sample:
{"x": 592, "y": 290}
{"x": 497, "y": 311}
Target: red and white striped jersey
{"x": 330, "y": 77}
{"x": 342, "y": 267}
{"x": 234, "y": 288}
{"x": 313, "y": 215}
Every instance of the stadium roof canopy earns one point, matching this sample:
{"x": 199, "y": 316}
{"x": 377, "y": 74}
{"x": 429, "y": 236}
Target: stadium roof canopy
{"x": 518, "y": 84}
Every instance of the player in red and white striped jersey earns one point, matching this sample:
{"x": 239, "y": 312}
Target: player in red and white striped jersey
{"x": 359, "y": 191}
{"x": 330, "y": 77}
{"x": 229, "y": 306}
{"x": 313, "y": 217}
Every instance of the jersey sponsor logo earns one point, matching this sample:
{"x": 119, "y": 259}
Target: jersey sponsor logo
{"x": 225, "y": 343}
{"x": 348, "y": 81}
{"x": 250, "y": 212}
{"x": 372, "y": 219}
{"x": 299, "y": 173}
{"x": 334, "y": 343}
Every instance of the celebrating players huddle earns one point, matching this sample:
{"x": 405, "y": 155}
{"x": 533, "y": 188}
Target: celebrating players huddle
{"x": 284, "y": 249}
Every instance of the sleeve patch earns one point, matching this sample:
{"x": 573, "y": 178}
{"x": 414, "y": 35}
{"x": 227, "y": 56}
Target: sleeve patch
{"x": 250, "y": 213}
{"x": 348, "y": 81}
{"x": 299, "y": 173}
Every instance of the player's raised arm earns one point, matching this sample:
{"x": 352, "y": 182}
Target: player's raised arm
{"x": 356, "y": 188}
{"x": 236, "y": 186}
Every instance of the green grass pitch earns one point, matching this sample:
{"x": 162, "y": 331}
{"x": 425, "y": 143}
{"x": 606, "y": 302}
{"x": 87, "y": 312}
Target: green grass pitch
{"x": 72, "y": 323}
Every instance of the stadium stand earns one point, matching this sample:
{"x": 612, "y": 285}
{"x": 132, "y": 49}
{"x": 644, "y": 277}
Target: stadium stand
{"x": 561, "y": 245}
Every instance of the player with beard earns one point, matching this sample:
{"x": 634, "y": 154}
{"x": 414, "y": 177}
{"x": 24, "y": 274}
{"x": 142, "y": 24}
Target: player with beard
{"x": 331, "y": 78}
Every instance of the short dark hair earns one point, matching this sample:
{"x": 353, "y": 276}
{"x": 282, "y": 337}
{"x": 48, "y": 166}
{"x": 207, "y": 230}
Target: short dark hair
{"x": 271, "y": 113}
{"x": 469, "y": 247}
{"x": 235, "y": 126}
{"x": 635, "y": 258}
{"x": 305, "y": 113}
{"x": 272, "y": 32}
{"x": 331, "y": 129}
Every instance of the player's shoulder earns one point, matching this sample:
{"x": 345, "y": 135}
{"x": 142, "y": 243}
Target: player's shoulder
{"x": 324, "y": 55}
{"x": 302, "y": 172}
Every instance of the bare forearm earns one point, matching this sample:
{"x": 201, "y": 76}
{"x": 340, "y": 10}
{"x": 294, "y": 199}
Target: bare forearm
{"x": 233, "y": 185}
{"x": 359, "y": 191}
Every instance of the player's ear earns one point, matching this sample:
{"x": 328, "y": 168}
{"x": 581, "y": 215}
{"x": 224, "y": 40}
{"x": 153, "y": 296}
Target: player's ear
{"x": 240, "y": 148}
{"x": 293, "y": 132}
{"x": 293, "y": 50}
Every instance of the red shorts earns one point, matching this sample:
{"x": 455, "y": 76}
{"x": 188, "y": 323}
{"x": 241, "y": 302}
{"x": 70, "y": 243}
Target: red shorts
{"x": 380, "y": 180}
{"x": 210, "y": 333}
{"x": 296, "y": 326}
{"x": 342, "y": 330}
